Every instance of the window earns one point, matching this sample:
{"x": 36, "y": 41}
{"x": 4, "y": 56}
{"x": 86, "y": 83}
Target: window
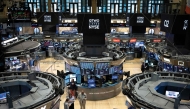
{"x": 154, "y": 7}
{"x": 132, "y": 6}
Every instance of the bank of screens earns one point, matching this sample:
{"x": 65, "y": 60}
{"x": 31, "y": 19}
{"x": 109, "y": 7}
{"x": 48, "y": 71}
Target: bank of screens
{"x": 102, "y": 71}
{"x": 102, "y": 68}
{"x": 114, "y": 77}
{"x": 90, "y": 81}
{"x": 172, "y": 94}
{"x": 102, "y": 65}
{"x": 181, "y": 69}
{"x": 87, "y": 65}
{"x": 87, "y": 71}
{"x": 3, "y": 97}
{"x": 92, "y": 85}
{"x": 75, "y": 70}
{"x": 168, "y": 67}
{"x": 139, "y": 44}
{"x": 116, "y": 69}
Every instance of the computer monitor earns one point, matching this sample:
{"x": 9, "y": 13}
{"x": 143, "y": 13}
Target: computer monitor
{"x": 3, "y": 97}
{"x": 90, "y": 81}
{"x": 92, "y": 85}
{"x": 172, "y": 94}
{"x": 114, "y": 77}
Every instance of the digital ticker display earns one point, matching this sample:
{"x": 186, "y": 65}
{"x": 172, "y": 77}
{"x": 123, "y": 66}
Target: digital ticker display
{"x": 19, "y": 14}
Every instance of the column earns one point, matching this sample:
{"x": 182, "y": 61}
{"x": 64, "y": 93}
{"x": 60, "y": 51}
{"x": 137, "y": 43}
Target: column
{"x": 138, "y": 6}
{"x": 94, "y": 6}
{"x": 187, "y": 39}
{"x": 182, "y": 6}
{"x": 2, "y": 58}
{"x": 49, "y": 5}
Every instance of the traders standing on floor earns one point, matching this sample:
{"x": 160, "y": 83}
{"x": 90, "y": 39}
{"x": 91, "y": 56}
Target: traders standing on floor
{"x": 82, "y": 99}
{"x": 72, "y": 88}
{"x": 142, "y": 67}
{"x": 66, "y": 104}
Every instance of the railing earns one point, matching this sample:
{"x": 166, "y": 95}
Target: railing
{"x": 55, "y": 80}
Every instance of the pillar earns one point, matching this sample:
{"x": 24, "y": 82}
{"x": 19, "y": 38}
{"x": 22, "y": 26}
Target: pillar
{"x": 94, "y": 6}
{"x": 138, "y": 6}
{"x": 49, "y": 5}
{"x": 182, "y": 6}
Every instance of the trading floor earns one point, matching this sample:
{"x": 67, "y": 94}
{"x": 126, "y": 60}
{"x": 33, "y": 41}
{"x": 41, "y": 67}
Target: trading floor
{"x": 118, "y": 102}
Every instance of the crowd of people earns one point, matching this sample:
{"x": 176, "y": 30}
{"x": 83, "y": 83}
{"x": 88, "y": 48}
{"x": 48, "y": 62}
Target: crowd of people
{"x": 73, "y": 94}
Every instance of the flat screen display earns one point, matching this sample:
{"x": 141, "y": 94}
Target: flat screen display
{"x": 87, "y": 71}
{"x": 102, "y": 65}
{"x": 139, "y": 19}
{"x": 114, "y": 77}
{"x": 116, "y": 69}
{"x": 91, "y": 81}
{"x": 139, "y": 44}
{"x": 102, "y": 71}
{"x": 166, "y": 22}
{"x": 92, "y": 85}
{"x": 87, "y": 65}
{"x": 75, "y": 70}
{"x": 168, "y": 67}
{"x": 49, "y": 28}
{"x": 172, "y": 94}
{"x": 72, "y": 76}
{"x": 94, "y": 39}
{"x": 48, "y": 18}
{"x": 3, "y": 97}
{"x": 181, "y": 69}
{"x": 94, "y": 23}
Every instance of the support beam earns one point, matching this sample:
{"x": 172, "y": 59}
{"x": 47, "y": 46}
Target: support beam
{"x": 49, "y": 5}
{"x": 138, "y": 6}
{"x": 94, "y": 6}
{"x": 182, "y": 6}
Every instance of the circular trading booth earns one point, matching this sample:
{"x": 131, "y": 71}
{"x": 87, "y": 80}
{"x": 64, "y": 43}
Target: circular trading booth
{"x": 99, "y": 77}
{"x": 157, "y": 90}
{"x": 30, "y": 90}
{"x": 53, "y": 45}
{"x": 20, "y": 51}
{"x": 166, "y": 58}
{"x": 134, "y": 45}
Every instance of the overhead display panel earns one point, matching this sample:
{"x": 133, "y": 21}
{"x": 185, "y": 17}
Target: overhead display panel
{"x": 176, "y": 24}
{"x": 138, "y": 19}
{"x": 94, "y": 23}
{"x": 49, "y": 18}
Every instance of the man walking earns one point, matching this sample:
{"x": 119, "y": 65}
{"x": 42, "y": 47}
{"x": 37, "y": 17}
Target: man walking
{"x": 82, "y": 99}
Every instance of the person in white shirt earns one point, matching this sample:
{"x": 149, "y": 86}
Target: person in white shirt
{"x": 82, "y": 99}
{"x": 66, "y": 104}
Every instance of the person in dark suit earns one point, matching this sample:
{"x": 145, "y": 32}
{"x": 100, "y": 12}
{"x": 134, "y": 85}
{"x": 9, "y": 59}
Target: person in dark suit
{"x": 142, "y": 67}
{"x": 23, "y": 66}
{"x": 72, "y": 88}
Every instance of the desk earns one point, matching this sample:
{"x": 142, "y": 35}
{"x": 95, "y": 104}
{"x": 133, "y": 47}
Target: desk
{"x": 102, "y": 93}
